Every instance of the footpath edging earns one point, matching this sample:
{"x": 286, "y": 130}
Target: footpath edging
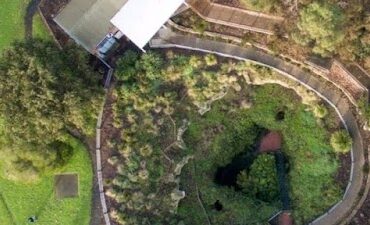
{"x": 323, "y": 72}
{"x": 98, "y": 147}
{"x": 169, "y": 39}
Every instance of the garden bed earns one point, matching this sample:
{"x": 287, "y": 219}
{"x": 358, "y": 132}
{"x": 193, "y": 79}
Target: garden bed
{"x": 231, "y": 3}
{"x": 155, "y": 138}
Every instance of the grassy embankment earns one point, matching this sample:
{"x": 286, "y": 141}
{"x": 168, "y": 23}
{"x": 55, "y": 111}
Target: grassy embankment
{"x": 12, "y": 22}
{"x": 18, "y": 201}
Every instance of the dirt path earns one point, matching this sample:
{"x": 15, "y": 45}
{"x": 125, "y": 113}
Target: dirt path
{"x": 28, "y": 18}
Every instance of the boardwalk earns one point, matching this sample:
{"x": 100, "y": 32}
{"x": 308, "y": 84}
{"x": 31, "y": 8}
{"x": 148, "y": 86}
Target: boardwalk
{"x": 169, "y": 39}
{"x": 235, "y": 17}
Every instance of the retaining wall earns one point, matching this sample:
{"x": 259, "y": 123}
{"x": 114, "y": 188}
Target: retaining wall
{"x": 235, "y": 17}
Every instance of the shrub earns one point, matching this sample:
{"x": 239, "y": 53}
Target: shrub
{"x": 125, "y": 69}
{"x": 320, "y": 111}
{"x": 261, "y": 5}
{"x": 321, "y": 25}
{"x": 198, "y": 24}
{"x": 211, "y": 60}
{"x": 151, "y": 63}
{"x": 341, "y": 141}
{"x": 195, "y": 62}
{"x": 146, "y": 150}
{"x": 261, "y": 181}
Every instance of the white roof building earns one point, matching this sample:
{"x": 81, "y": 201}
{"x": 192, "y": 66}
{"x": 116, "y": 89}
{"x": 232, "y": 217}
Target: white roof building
{"x": 90, "y": 22}
{"x": 139, "y": 20}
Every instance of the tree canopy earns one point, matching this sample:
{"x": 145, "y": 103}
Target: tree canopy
{"x": 261, "y": 181}
{"x": 43, "y": 93}
{"x": 320, "y": 25}
{"x": 43, "y": 90}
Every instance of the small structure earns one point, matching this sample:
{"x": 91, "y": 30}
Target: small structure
{"x": 97, "y": 25}
{"x": 66, "y": 186}
{"x": 281, "y": 218}
{"x": 32, "y": 219}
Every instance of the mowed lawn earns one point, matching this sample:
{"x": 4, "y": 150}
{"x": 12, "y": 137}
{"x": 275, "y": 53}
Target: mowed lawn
{"x": 12, "y": 22}
{"x": 19, "y": 201}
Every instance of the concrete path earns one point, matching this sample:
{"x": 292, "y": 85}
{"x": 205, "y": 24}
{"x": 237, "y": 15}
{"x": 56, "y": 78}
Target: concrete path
{"x": 169, "y": 39}
{"x": 235, "y": 17}
{"x": 97, "y": 161}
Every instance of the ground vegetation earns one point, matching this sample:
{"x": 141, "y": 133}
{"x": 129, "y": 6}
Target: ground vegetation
{"x": 180, "y": 118}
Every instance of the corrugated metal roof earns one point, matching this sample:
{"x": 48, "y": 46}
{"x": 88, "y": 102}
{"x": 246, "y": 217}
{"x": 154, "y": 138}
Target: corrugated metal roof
{"x": 88, "y": 21}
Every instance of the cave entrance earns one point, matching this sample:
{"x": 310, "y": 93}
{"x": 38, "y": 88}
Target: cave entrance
{"x": 218, "y": 205}
{"x": 280, "y": 116}
{"x": 227, "y": 175}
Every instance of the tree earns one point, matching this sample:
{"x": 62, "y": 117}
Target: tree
{"x": 320, "y": 25}
{"x": 341, "y": 141}
{"x": 44, "y": 92}
{"x": 261, "y": 180}
{"x": 356, "y": 45}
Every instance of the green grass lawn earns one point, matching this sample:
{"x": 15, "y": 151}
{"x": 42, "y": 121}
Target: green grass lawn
{"x": 23, "y": 200}
{"x": 39, "y": 29}
{"x": 12, "y": 22}
{"x": 18, "y": 201}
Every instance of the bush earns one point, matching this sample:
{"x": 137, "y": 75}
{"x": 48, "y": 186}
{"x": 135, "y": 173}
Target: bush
{"x": 320, "y": 24}
{"x": 320, "y": 111}
{"x": 341, "y": 141}
{"x": 261, "y": 181}
{"x": 198, "y": 24}
{"x": 125, "y": 69}
{"x": 211, "y": 60}
{"x": 261, "y": 5}
{"x": 151, "y": 63}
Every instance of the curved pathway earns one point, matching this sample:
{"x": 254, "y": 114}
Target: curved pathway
{"x": 28, "y": 18}
{"x": 169, "y": 39}
{"x": 99, "y": 190}
{"x": 235, "y": 17}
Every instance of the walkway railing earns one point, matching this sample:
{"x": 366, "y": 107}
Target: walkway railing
{"x": 323, "y": 72}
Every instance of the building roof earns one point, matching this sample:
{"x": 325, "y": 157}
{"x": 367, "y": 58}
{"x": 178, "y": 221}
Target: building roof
{"x": 139, "y": 20}
{"x": 88, "y": 21}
